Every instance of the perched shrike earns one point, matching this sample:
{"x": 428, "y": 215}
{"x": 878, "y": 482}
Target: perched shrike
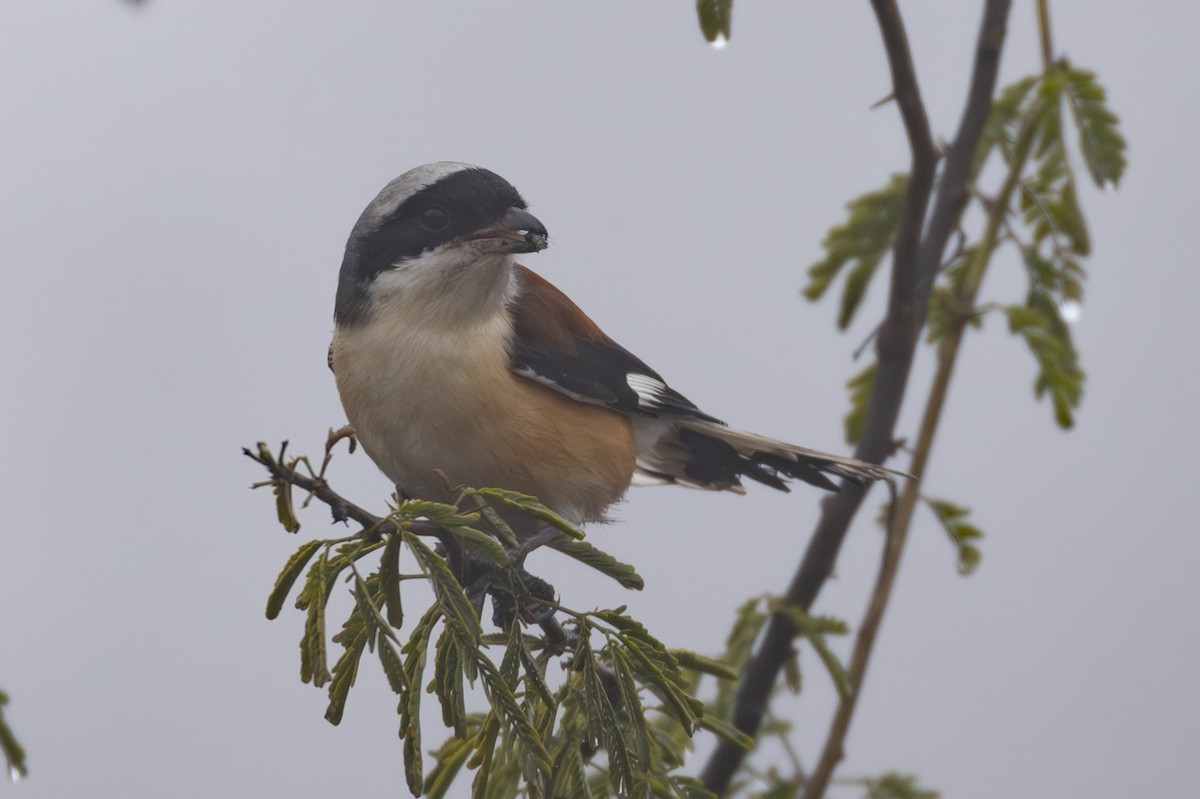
{"x": 451, "y": 357}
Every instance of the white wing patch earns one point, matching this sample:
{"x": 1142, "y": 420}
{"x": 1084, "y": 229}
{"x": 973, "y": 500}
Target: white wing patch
{"x": 651, "y": 393}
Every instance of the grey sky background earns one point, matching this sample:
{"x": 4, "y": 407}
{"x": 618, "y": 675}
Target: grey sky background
{"x": 178, "y": 184}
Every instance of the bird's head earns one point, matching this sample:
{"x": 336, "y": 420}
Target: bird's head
{"x": 445, "y": 233}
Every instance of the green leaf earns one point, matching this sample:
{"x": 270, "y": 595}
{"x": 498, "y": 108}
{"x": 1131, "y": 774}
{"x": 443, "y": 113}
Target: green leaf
{"x": 313, "y": 665}
{"x": 287, "y": 578}
{"x": 634, "y": 632}
{"x": 602, "y": 562}
{"x": 1102, "y": 146}
{"x": 655, "y": 674}
{"x": 389, "y": 582}
{"x": 484, "y": 543}
{"x": 691, "y": 788}
{"x": 448, "y": 681}
{"x": 534, "y": 678}
{"x": 410, "y": 707}
{"x": 953, "y": 519}
{"x": 448, "y": 761}
{"x": 449, "y": 593}
{"x": 739, "y": 644}
{"x": 860, "y": 386}
{"x": 793, "y": 678}
{"x": 861, "y": 241}
{"x": 704, "y": 665}
{"x": 635, "y": 717}
{"x": 602, "y": 716}
{"x": 485, "y": 741}
{"x": 1000, "y": 130}
{"x": 437, "y": 512}
{"x": 503, "y": 701}
{"x": 897, "y": 786}
{"x": 1049, "y": 339}
{"x": 353, "y": 636}
{"x": 814, "y": 629}
{"x": 284, "y": 508}
{"x": 569, "y": 777}
{"x": 716, "y": 19}
{"x": 727, "y": 731}
{"x": 367, "y": 605}
{"x": 393, "y": 666}
{"x": 504, "y": 779}
{"x": 14, "y": 753}
{"x": 532, "y": 507}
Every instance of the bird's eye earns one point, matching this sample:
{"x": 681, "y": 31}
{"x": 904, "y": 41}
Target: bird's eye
{"x": 435, "y": 219}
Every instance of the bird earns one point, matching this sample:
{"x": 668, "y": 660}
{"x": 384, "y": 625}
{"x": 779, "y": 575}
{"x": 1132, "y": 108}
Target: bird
{"x": 458, "y": 366}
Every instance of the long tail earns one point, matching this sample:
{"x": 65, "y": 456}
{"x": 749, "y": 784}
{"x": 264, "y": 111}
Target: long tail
{"x": 709, "y": 455}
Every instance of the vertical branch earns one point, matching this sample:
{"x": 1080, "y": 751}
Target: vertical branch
{"x": 1043, "y": 10}
{"x": 916, "y": 261}
{"x": 901, "y": 518}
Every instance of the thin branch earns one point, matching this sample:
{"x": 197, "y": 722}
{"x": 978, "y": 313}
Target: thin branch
{"x": 900, "y": 323}
{"x": 319, "y": 488}
{"x": 1043, "y": 9}
{"x": 373, "y": 527}
{"x": 954, "y": 189}
{"x": 916, "y": 260}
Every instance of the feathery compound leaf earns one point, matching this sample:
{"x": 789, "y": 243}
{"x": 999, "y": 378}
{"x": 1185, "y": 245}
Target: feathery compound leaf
{"x": 489, "y": 547}
{"x": 485, "y": 741}
{"x": 366, "y": 596}
{"x": 716, "y": 19}
{"x": 666, "y": 686}
{"x": 602, "y": 716}
{"x": 448, "y": 761}
{"x": 534, "y": 679}
{"x": 449, "y": 593}
{"x": 691, "y": 788}
{"x": 747, "y": 625}
{"x": 635, "y": 717}
{"x": 1048, "y": 338}
{"x": 1103, "y": 147}
{"x": 602, "y": 562}
{"x": 1001, "y": 127}
{"x": 505, "y": 702}
{"x": 897, "y": 786}
{"x": 569, "y": 777}
{"x": 705, "y": 665}
{"x": 531, "y": 506}
{"x": 393, "y": 666}
{"x": 410, "y": 706}
{"x": 962, "y": 533}
{"x": 354, "y": 636}
{"x": 862, "y": 241}
{"x": 284, "y": 508}
{"x": 448, "y": 680}
{"x": 724, "y": 729}
{"x": 814, "y": 629}
{"x": 860, "y": 387}
{"x": 14, "y": 753}
{"x": 287, "y": 577}
{"x": 436, "y": 512}
{"x": 504, "y": 779}
{"x": 313, "y": 665}
{"x": 633, "y": 631}
{"x": 389, "y": 582}
{"x": 1050, "y": 207}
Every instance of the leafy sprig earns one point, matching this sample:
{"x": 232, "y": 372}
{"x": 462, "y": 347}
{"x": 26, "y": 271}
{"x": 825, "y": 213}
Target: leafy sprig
{"x": 618, "y": 712}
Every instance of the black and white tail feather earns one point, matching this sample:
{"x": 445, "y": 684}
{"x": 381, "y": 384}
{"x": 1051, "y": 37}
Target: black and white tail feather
{"x": 707, "y": 454}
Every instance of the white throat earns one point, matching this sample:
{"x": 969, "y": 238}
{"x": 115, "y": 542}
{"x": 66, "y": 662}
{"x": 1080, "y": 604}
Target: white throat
{"x": 457, "y": 285}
